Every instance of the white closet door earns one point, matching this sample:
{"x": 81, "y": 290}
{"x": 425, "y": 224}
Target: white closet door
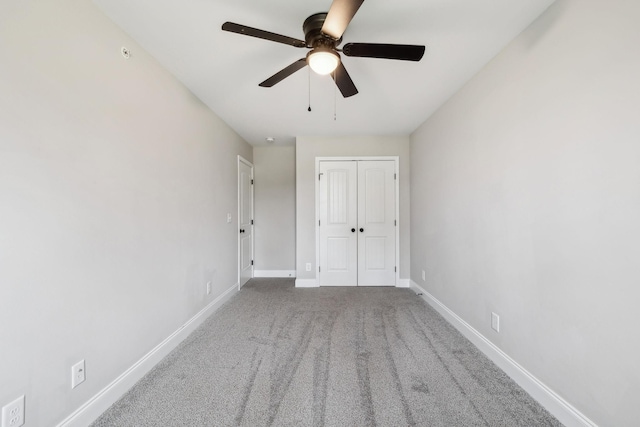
{"x": 338, "y": 223}
{"x": 376, "y": 223}
{"x": 357, "y": 223}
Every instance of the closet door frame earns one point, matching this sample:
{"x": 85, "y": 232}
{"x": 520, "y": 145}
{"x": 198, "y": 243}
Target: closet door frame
{"x": 396, "y": 160}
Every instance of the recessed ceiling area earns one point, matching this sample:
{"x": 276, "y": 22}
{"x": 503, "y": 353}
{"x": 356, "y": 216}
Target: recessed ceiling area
{"x": 224, "y": 69}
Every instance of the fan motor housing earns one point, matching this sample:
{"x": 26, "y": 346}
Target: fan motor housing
{"x": 313, "y": 35}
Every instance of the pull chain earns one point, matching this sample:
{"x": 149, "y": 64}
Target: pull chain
{"x": 309, "y": 69}
{"x": 335, "y": 102}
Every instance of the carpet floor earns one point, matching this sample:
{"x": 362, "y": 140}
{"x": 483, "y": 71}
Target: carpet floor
{"x": 275, "y": 355}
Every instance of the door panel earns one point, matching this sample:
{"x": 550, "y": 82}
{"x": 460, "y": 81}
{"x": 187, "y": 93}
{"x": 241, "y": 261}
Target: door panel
{"x": 338, "y": 254}
{"x": 338, "y": 208}
{"x": 245, "y": 212}
{"x": 374, "y": 255}
{"x": 338, "y": 215}
{"x": 374, "y": 200}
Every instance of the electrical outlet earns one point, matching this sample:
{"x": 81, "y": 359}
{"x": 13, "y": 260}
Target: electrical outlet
{"x": 308, "y": 266}
{"x": 424, "y": 276}
{"x": 495, "y": 322}
{"x": 77, "y": 374}
{"x": 208, "y": 287}
{"x": 228, "y": 218}
{"x": 13, "y": 413}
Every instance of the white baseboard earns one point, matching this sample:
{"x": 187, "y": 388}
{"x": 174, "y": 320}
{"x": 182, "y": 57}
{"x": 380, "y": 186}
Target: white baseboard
{"x": 307, "y": 283}
{"x": 274, "y": 273}
{"x": 99, "y": 403}
{"x": 560, "y": 408}
{"x": 313, "y": 283}
{"x": 403, "y": 283}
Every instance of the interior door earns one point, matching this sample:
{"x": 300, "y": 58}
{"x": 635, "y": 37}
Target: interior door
{"x": 357, "y": 208}
{"x": 245, "y": 221}
{"x": 338, "y": 223}
{"x": 376, "y": 223}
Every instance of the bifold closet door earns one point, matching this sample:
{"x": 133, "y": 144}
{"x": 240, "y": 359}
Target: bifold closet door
{"x": 357, "y": 223}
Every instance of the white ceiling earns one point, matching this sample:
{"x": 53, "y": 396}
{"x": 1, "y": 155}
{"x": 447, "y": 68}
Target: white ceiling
{"x": 223, "y": 69}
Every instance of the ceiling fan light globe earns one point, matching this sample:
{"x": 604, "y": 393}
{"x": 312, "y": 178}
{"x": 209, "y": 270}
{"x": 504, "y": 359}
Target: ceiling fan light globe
{"x": 323, "y": 61}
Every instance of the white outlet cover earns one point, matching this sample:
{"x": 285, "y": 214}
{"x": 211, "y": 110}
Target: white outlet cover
{"x": 228, "y": 218}
{"x": 495, "y": 322}
{"x": 78, "y": 374}
{"x": 308, "y": 266}
{"x": 13, "y": 413}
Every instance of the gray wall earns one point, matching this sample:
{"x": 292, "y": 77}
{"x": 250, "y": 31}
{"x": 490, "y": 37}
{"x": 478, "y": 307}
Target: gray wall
{"x": 115, "y": 183}
{"x": 275, "y": 208}
{"x": 307, "y": 149}
{"x": 525, "y": 201}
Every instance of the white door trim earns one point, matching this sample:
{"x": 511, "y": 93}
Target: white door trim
{"x": 248, "y": 163}
{"x": 396, "y": 160}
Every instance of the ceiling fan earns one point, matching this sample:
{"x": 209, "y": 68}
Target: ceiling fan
{"x": 323, "y": 34}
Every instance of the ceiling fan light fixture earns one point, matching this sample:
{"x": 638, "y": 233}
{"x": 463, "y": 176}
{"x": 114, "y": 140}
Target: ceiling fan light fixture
{"x": 323, "y": 61}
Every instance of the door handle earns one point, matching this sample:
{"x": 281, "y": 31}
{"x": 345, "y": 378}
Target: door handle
{"x": 361, "y": 230}
{"x": 353, "y": 230}
{"x": 241, "y": 230}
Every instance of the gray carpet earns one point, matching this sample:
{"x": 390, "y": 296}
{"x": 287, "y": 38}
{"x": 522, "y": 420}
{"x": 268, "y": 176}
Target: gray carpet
{"x": 275, "y": 355}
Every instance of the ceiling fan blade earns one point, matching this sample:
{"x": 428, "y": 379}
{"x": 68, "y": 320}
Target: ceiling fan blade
{"x": 405, "y": 52}
{"x": 261, "y": 34}
{"x": 284, "y": 73}
{"x": 339, "y": 16}
{"x": 344, "y": 82}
